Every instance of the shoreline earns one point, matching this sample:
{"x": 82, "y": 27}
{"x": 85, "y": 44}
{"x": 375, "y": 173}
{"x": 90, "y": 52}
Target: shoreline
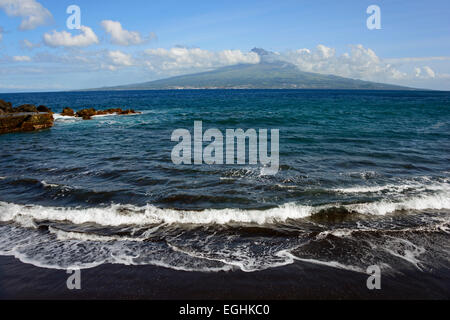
{"x": 299, "y": 280}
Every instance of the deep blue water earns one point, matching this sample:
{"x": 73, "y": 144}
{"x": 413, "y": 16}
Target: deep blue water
{"x": 363, "y": 179}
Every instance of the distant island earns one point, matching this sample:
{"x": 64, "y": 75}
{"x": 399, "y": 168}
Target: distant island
{"x": 270, "y": 73}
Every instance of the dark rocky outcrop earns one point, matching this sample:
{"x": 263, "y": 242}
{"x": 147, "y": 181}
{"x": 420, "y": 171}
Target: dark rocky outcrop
{"x": 44, "y": 109}
{"x": 22, "y": 122}
{"x": 5, "y": 107}
{"x": 129, "y": 111}
{"x": 68, "y": 112}
{"x": 87, "y": 114}
{"x": 109, "y": 111}
{"x": 24, "y": 118}
{"x": 28, "y": 117}
{"x": 26, "y": 108}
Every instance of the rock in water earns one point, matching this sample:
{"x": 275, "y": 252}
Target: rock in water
{"x": 5, "y": 107}
{"x": 68, "y": 112}
{"x": 130, "y": 111}
{"x": 26, "y": 108}
{"x": 44, "y": 109}
{"x": 86, "y": 114}
{"x": 23, "y": 122}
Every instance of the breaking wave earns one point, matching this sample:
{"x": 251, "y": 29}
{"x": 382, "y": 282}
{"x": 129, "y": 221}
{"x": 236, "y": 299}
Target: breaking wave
{"x": 117, "y": 215}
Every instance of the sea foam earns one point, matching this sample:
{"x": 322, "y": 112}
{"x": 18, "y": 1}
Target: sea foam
{"x": 117, "y": 215}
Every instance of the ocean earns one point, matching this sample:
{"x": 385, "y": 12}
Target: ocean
{"x": 363, "y": 180}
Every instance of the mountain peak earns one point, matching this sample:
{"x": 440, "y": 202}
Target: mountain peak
{"x": 264, "y": 75}
{"x": 261, "y": 51}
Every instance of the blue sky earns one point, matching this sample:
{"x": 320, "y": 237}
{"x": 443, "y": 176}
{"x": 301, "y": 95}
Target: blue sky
{"x": 132, "y": 41}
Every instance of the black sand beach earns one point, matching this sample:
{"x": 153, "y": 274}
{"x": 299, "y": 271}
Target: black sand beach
{"x": 296, "y": 281}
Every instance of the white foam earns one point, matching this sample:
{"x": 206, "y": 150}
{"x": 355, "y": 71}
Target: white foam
{"x": 396, "y": 188}
{"x": 333, "y": 264}
{"x": 104, "y": 115}
{"x": 117, "y": 215}
{"x": 434, "y": 202}
{"x": 58, "y": 116}
{"x": 405, "y": 250}
{"x": 49, "y": 185}
{"x": 68, "y": 235}
{"x": 47, "y": 250}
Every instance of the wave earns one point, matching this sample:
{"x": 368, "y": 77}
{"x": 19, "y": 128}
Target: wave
{"x": 71, "y": 235}
{"x": 118, "y": 215}
{"x": 59, "y": 117}
{"x": 51, "y": 185}
{"x": 397, "y": 188}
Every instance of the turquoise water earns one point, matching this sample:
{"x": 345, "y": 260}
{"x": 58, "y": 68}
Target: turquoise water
{"x": 363, "y": 179}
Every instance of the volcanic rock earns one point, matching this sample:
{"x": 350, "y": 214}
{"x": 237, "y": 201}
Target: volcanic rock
{"x": 68, "y": 112}
{"x": 22, "y": 122}
{"x": 26, "y": 108}
{"x": 44, "y": 109}
{"x": 87, "y": 114}
{"x": 6, "y": 107}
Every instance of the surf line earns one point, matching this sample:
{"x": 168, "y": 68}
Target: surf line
{"x": 234, "y": 149}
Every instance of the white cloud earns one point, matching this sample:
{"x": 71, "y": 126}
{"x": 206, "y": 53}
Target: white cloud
{"x": 121, "y": 36}
{"x": 184, "y": 58}
{"x": 26, "y": 44}
{"x": 417, "y": 59}
{"x": 30, "y": 87}
{"x": 66, "y": 39}
{"x": 21, "y": 58}
{"x": 33, "y": 14}
{"x": 425, "y": 72}
{"x": 360, "y": 63}
{"x": 118, "y": 59}
{"x": 1, "y": 33}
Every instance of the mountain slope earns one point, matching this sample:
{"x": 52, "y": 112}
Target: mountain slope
{"x": 265, "y": 75}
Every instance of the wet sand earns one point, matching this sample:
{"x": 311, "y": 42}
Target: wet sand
{"x": 296, "y": 281}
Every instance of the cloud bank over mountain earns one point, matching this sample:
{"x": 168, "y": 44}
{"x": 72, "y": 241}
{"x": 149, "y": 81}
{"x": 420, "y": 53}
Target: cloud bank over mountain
{"x": 358, "y": 63}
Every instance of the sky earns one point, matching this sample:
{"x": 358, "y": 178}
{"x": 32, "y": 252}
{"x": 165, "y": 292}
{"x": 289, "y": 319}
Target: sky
{"x": 129, "y": 41}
